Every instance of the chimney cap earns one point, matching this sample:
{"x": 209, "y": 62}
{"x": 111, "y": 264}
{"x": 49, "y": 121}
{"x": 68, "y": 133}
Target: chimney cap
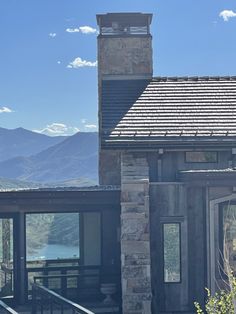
{"x": 127, "y": 19}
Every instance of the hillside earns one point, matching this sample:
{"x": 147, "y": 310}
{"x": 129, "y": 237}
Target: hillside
{"x": 22, "y": 142}
{"x": 11, "y": 184}
{"x": 73, "y": 158}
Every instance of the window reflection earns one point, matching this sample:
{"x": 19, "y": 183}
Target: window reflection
{"x": 58, "y": 246}
{"x": 171, "y": 235}
{"x": 52, "y": 236}
{"x": 229, "y": 235}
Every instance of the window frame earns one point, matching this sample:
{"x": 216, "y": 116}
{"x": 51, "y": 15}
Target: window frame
{"x": 171, "y": 222}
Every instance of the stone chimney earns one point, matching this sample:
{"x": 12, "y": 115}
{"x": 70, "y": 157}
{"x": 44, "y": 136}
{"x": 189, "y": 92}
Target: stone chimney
{"x": 124, "y": 46}
{"x": 124, "y": 52}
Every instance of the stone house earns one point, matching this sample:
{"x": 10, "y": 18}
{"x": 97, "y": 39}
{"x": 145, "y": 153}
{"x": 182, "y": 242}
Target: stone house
{"x": 170, "y": 143}
{"x": 167, "y": 194}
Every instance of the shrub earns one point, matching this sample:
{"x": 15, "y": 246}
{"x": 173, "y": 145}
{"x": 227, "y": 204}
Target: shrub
{"x": 222, "y": 302}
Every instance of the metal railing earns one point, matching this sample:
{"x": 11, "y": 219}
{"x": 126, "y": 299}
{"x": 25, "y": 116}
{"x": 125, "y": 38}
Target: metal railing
{"x": 4, "y": 308}
{"x": 49, "y": 301}
{"x": 79, "y": 281}
{"x": 68, "y": 280}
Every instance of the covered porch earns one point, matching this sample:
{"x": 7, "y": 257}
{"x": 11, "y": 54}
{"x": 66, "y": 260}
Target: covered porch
{"x": 67, "y": 240}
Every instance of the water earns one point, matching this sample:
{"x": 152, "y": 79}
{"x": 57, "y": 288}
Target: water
{"x": 54, "y": 251}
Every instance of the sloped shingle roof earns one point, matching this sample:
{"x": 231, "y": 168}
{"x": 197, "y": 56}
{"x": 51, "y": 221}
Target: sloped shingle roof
{"x": 168, "y": 110}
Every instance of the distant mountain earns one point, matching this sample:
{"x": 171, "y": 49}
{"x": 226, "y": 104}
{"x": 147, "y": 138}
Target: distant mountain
{"x": 73, "y": 158}
{"x": 11, "y": 184}
{"x": 22, "y": 142}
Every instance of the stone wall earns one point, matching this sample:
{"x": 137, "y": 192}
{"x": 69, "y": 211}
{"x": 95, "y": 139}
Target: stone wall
{"x": 135, "y": 235}
{"x": 109, "y": 167}
{"x": 125, "y": 55}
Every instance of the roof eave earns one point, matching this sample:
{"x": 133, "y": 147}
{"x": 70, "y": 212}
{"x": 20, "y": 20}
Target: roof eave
{"x": 168, "y": 143}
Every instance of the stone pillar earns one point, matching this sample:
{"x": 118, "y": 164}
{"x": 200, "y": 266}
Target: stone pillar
{"x": 135, "y": 235}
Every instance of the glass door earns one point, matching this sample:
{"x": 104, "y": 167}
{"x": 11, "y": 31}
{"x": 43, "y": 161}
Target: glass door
{"x": 6, "y": 258}
{"x": 224, "y": 244}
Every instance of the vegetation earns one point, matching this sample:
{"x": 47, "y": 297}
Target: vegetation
{"x": 222, "y": 302}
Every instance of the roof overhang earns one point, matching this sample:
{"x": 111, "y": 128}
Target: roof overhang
{"x": 168, "y": 142}
{"x": 216, "y": 177}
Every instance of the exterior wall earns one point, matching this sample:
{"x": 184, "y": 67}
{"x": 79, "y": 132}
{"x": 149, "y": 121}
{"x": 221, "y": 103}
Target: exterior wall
{"x": 125, "y": 55}
{"x": 135, "y": 235}
{"x": 172, "y": 162}
{"x": 185, "y": 205}
{"x": 196, "y": 206}
{"x": 109, "y": 167}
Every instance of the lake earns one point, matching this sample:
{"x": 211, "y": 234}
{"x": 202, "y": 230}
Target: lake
{"x": 54, "y": 251}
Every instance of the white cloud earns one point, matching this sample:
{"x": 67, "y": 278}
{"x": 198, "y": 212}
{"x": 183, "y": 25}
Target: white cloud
{"x": 5, "y": 110}
{"x": 227, "y": 14}
{"x": 56, "y": 129}
{"x": 52, "y": 35}
{"x": 83, "y": 120}
{"x": 58, "y": 62}
{"x": 90, "y": 126}
{"x": 79, "y": 63}
{"x": 87, "y": 30}
{"x": 82, "y": 29}
{"x": 72, "y": 30}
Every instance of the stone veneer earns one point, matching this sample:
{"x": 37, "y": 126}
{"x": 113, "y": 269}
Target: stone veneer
{"x": 135, "y": 234}
{"x": 125, "y": 55}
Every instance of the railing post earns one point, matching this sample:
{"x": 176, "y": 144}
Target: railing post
{"x": 51, "y": 306}
{"x": 34, "y": 301}
{"x": 64, "y": 283}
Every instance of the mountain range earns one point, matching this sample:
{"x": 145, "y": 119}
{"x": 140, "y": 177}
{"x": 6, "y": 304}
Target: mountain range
{"x": 31, "y": 158}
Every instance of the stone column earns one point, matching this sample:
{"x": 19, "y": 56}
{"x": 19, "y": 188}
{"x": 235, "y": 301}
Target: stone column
{"x": 135, "y": 235}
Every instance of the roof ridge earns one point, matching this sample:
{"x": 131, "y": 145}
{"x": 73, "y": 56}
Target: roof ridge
{"x": 194, "y": 78}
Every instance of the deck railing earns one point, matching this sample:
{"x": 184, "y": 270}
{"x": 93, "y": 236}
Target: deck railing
{"x": 49, "y": 301}
{"x": 4, "y": 308}
{"x": 69, "y": 281}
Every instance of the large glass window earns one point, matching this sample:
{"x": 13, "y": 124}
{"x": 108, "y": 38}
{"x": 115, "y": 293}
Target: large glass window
{"x": 228, "y": 236}
{"x": 52, "y": 236}
{"x": 61, "y": 248}
{"x": 171, "y": 244}
{"x": 53, "y": 250}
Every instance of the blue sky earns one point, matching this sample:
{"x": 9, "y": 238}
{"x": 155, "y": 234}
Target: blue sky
{"x": 42, "y": 89}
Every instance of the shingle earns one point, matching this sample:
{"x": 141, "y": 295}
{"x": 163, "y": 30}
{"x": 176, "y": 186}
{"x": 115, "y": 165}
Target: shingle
{"x": 188, "y": 107}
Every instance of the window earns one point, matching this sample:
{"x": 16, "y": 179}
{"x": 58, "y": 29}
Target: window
{"x": 201, "y": 156}
{"x": 171, "y": 245}
{"x": 52, "y": 236}
{"x": 58, "y": 243}
{"x": 228, "y": 236}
